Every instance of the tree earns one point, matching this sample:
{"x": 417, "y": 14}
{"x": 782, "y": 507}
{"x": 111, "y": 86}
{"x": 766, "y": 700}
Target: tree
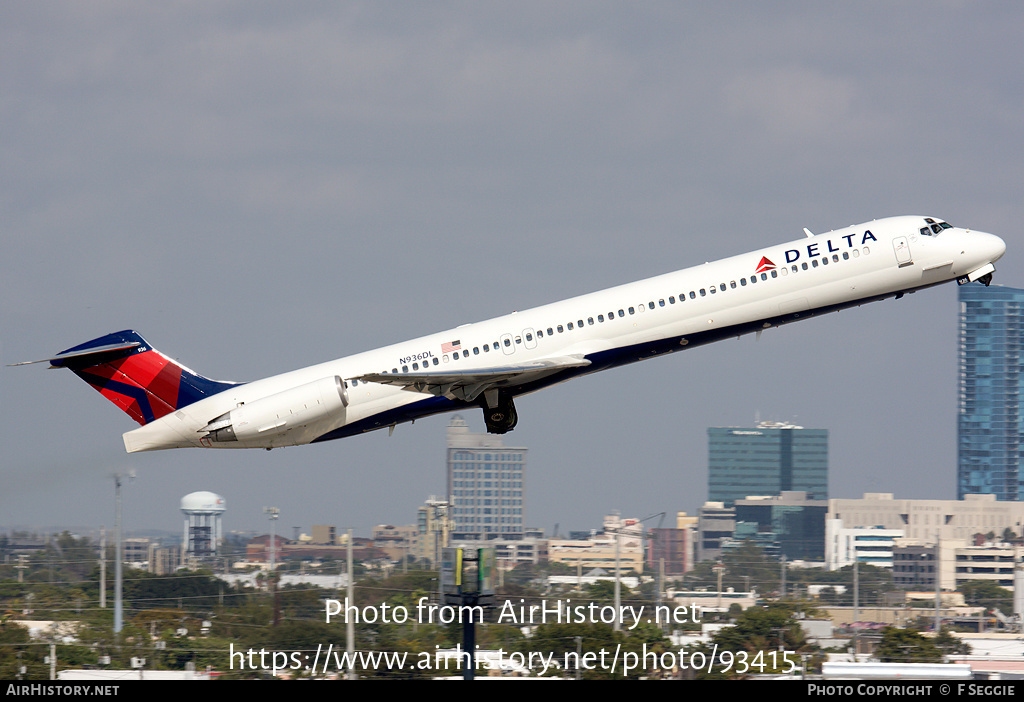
{"x": 604, "y": 591}
{"x": 754, "y": 642}
{"x": 17, "y": 651}
{"x": 950, "y": 645}
{"x": 984, "y": 593}
{"x": 906, "y": 646}
{"x": 597, "y": 643}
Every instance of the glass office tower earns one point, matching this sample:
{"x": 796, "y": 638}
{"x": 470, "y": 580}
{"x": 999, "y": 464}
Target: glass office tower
{"x": 766, "y": 460}
{"x": 989, "y": 422}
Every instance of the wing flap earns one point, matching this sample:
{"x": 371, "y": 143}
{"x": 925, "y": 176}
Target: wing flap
{"x": 470, "y": 384}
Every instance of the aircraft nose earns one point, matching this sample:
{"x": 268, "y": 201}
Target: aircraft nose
{"x": 992, "y": 246}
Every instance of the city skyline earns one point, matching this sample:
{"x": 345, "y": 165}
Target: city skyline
{"x": 259, "y": 188}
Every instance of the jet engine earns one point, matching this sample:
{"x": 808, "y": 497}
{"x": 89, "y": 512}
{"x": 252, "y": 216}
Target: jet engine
{"x": 280, "y": 413}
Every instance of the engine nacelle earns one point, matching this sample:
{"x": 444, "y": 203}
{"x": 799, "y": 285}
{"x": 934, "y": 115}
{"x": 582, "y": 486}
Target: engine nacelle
{"x": 281, "y": 413}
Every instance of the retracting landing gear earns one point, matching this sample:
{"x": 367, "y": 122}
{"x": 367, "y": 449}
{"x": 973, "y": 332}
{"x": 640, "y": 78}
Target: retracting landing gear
{"x": 499, "y": 412}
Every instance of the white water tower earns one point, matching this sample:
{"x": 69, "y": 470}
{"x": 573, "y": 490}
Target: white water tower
{"x": 203, "y": 530}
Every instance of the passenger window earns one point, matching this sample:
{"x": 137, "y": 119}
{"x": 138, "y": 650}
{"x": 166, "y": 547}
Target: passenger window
{"x": 600, "y": 318}
{"x": 476, "y": 350}
{"x": 802, "y": 265}
{"x": 579, "y": 323}
{"x": 394, "y": 370}
{"x": 435, "y": 360}
{"x": 721, "y": 287}
{"x": 560, "y": 329}
{"x": 405, "y": 369}
{"x": 551, "y": 332}
{"x": 569, "y": 326}
{"x": 508, "y": 342}
{"x": 650, "y": 305}
{"x": 671, "y": 299}
{"x": 743, "y": 282}
{"x": 712, "y": 290}
{"x": 775, "y": 274}
{"x": 703, "y": 292}
{"x": 732, "y": 284}
{"x": 590, "y": 320}
{"x": 814, "y": 263}
{"x": 621, "y": 313}
{"x": 632, "y": 310}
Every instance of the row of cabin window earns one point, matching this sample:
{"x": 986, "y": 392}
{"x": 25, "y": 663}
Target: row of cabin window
{"x": 702, "y": 292}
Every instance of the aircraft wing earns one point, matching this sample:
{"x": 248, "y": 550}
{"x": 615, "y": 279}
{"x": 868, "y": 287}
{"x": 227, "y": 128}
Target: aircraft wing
{"x": 470, "y": 384}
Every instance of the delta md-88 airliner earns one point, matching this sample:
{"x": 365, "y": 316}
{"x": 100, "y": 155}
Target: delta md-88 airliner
{"x": 488, "y": 364}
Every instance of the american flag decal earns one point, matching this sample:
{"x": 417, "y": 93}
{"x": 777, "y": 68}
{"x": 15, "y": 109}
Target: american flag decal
{"x": 449, "y": 346}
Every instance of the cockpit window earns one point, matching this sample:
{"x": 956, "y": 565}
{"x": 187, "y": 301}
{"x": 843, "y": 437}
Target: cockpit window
{"x": 934, "y": 227}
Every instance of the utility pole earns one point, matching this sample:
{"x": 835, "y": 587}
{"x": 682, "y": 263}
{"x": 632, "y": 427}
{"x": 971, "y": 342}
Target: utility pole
{"x": 618, "y": 586}
{"x": 350, "y": 631}
{"x": 272, "y": 514}
{"x": 103, "y": 568}
{"x": 938, "y": 582}
{"x": 119, "y": 563}
{"x": 719, "y": 570}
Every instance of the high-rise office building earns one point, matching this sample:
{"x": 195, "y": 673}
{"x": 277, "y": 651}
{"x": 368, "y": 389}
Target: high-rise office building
{"x": 989, "y": 420}
{"x": 485, "y": 485}
{"x": 792, "y": 522}
{"x": 766, "y": 460}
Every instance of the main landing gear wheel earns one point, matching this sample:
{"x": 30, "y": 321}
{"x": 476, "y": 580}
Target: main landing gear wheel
{"x": 501, "y": 419}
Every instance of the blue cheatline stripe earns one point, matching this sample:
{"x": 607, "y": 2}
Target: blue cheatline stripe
{"x": 603, "y": 360}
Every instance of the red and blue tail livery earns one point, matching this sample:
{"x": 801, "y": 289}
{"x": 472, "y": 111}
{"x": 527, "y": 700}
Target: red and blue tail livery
{"x": 488, "y": 364}
{"x": 133, "y": 375}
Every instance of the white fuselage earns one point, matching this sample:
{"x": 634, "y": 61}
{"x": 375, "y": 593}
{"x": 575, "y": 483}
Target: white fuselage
{"x": 611, "y": 327}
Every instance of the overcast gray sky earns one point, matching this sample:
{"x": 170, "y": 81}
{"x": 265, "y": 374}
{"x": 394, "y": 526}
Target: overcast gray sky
{"x": 258, "y": 186}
